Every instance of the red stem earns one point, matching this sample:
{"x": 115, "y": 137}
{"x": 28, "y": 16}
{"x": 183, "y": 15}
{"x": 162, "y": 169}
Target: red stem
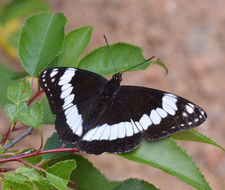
{"x": 4, "y": 139}
{"x": 34, "y": 97}
{"x": 19, "y": 157}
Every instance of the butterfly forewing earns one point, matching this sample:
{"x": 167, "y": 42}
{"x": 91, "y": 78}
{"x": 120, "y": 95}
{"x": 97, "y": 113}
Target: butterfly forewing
{"x": 69, "y": 91}
{"x": 101, "y": 116}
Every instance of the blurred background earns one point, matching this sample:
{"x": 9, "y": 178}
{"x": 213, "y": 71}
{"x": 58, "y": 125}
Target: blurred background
{"x": 188, "y": 36}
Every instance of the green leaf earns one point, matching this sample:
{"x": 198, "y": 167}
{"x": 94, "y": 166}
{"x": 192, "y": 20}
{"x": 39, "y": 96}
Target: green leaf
{"x": 22, "y": 8}
{"x": 7, "y": 184}
{"x": 54, "y": 142}
{"x": 36, "y": 180}
{"x": 4, "y": 84}
{"x": 125, "y": 56}
{"x": 169, "y": 157}
{"x": 41, "y": 41}
{"x": 16, "y": 75}
{"x": 74, "y": 45}
{"x": 48, "y": 118}
{"x": 135, "y": 184}
{"x": 193, "y": 135}
{"x": 160, "y": 63}
{"x": 19, "y": 92}
{"x": 33, "y": 115}
{"x": 25, "y": 178}
{"x": 34, "y": 159}
{"x": 1, "y": 149}
{"x": 12, "y": 111}
{"x": 87, "y": 177}
{"x": 58, "y": 174}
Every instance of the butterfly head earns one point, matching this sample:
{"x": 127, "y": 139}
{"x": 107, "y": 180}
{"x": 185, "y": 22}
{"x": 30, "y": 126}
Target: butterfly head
{"x": 117, "y": 77}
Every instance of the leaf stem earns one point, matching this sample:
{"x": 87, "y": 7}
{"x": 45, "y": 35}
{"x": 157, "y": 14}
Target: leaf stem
{"x": 38, "y": 93}
{"x": 29, "y": 154}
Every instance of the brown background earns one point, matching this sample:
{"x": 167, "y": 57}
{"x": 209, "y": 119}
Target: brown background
{"x": 188, "y": 36}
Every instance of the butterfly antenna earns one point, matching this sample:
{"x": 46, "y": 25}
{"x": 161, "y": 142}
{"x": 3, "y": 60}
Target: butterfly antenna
{"x": 139, "y": 64}
{"x": 107, "y": 44}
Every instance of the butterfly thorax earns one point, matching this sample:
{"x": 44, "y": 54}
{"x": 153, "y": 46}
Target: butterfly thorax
{"x": 112, "y": 87}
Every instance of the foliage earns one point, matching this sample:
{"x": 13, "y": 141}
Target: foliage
{"x": 43, "y": 44}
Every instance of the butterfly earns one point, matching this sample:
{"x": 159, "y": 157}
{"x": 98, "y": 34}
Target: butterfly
{"x": 100, "y": 115}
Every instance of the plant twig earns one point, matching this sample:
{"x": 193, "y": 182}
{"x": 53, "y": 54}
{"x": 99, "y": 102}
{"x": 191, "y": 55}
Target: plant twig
{"x": 17, "y": 139}
{"x": 29, "y": 154}
{"x": 31, "y": 165}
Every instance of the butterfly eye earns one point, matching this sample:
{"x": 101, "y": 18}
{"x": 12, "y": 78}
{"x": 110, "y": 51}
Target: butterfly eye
{"x": 118, "y": 77}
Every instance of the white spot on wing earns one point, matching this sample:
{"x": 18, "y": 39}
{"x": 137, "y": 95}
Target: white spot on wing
{"x": 98, "y": 133}
{"x": 113, "y": 132}
{"x": 106, "y": 133}
{"x": 185, "y": 114}
{"x": 53, "y": 73}
{"x": 171, "y": 101}
{"x": 69, "y": 112}
{"x": 66, "y": 77}
{"x": 134, "y": 127}
{"x": 88, "y": 136}
{"x": 121, "y": 130}
{"x": 156, "y": 119}
{"x": 139, "y": 126}
{"x": 67, "y": 106}
{"x": 68, "y": 99}
{"x": 189, "y": 109}
{"x": 168, "y": 109}
{"x": 66, "y": 92}
{"x": 161, "y": 112}
{"x": 145, "y": 121}
{"x": 129, "y": 129}
{"x": 79, "y": 130}
{"x": 65, "y": 86}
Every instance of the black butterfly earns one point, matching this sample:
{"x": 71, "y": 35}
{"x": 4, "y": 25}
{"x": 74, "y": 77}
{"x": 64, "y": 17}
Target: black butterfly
{"x": 102, "y": 116}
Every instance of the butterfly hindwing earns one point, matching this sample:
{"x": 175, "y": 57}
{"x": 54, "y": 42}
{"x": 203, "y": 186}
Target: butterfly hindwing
{"x": 139, "y": 111}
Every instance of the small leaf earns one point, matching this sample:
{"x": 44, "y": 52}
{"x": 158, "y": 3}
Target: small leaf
{"x": 48, "y": 117}
{"x": 159, "y": 62}
{"x": 16, "y": 75}
{"x": 32, "y": 116}
{"x": 12, "y": 111}
{"x": 4, "y": 84}
{"x": 169, "y": 157}
{"x": 125, "y": 56}
{"x": 21, "y": 8}
{"x": 34, "y": 179}
{"x": 193, "y": 135}
{"x": 29, "y": 173}
{"x": 58, "y": 174}
{"x": 74, "y": 45}
{"x": 135, "y": 184}
{"x": 19, "y": 92}
{"x": 41, "y": 41}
